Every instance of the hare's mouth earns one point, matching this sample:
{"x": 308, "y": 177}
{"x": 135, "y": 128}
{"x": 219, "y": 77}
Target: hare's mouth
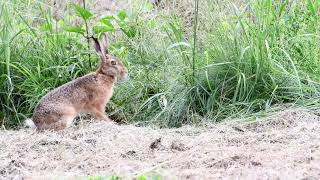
{"x": 124, "y": 74}
{"x": 126, "y": 78}
{"x": 123, "y": 78}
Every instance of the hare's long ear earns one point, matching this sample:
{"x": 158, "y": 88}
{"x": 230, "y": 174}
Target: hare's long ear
{"x": 96, "y": 45}
{"x": 100, "y": 49}
{"x": 105, "y": 42}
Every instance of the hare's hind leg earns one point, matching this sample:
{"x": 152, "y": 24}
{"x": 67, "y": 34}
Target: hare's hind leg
{"x": 66, "y": 116}
{"x": 65, "y": 121}
{"x": 54, "y": 118}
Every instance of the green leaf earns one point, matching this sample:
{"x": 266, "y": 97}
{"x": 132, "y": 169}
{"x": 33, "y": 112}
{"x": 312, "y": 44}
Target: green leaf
{"x": 82, "y": 12}
{"x": 108, "y": 17}
{"x": 130, "y": 32}
{"x": 114, "y": 178}
{"x": 61, "y": 23}
{"x": 122, "y": 15}
{"x": 74, "y": 29}
{"x": 107, "y": 22}
{"x": 101, "y": 29}
{"x": 43, "y": 28}
{"x": 122, "y": 24}
{"x": 282, "y": 7}
{"x": 141, "y": 178}
{"x": 313, "y": 7}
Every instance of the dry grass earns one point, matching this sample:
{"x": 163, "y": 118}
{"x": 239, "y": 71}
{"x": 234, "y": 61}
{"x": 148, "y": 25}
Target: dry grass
{"x": 286, "y": 146}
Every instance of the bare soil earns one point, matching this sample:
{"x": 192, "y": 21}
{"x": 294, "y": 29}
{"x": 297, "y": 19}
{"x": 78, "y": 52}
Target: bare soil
{"x": 284, "y": 146}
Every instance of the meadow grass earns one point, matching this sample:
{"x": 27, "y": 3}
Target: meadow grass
{"x": 187, "y": 64}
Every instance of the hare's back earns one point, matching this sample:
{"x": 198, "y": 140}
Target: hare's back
{"x": 71, "y": 93}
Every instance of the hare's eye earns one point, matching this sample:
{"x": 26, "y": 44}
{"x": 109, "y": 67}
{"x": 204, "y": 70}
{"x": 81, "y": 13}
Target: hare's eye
{"x": 113, "y": 63}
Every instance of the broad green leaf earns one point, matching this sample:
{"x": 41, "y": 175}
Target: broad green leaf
{"x": 108, "y": 17}
{"x": 101, "y": 29}
{"x": 106, "y": 22}
{"x": 122, "y": 15}
{"x": 74, "y": 29}
{"x": 81, "y": 12}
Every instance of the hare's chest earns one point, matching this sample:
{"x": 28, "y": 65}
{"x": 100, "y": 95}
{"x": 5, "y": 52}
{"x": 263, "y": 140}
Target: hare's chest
{"x": 108, "y": 95}
{"x": 104, "y": 94}
{"x": 103, "y": 89}
{"x": 101, "y": 98}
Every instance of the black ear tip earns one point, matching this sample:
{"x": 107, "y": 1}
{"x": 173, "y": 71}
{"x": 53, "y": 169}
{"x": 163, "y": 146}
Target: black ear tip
{"x": 96, "y": 44}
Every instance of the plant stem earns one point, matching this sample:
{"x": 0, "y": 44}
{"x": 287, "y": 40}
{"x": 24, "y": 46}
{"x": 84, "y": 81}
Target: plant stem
{"x": 196, "y": 7}
{"x": 87, "y": 36}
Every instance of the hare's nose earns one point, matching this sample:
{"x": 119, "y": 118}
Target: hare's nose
{"x": 127, "y": 78}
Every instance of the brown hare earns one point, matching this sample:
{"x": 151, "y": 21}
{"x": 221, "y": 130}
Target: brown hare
{"x": 87, "y": 94}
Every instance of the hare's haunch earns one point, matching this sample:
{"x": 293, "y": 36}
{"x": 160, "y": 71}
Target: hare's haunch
{"x": 89, "y": 93}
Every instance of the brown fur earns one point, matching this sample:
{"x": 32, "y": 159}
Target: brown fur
{"x": 87, "y": 94}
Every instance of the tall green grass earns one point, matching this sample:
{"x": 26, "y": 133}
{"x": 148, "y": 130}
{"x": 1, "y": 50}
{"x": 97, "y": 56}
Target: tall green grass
{"x": 38, "y": 57}
{"x": 237, "y": 60}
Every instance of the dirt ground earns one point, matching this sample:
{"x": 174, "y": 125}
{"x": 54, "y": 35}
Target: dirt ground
{"x": 284, "y": 146}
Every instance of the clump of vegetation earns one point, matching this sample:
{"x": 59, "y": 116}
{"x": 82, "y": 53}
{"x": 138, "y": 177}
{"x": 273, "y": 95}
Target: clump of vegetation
{"x": 222, "y": 60}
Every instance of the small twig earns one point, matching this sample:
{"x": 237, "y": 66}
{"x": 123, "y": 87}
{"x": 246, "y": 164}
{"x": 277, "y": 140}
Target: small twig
{"x": 238, "y": 129}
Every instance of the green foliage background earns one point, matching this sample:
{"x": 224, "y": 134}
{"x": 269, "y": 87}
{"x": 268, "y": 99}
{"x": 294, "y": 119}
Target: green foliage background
{"x": 243, "y": 58}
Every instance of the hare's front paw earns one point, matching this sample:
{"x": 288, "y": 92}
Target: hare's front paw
{"x": 103, "y": 117}
{"x": 109, "y": 121}
{"x": 106, "y": 119}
